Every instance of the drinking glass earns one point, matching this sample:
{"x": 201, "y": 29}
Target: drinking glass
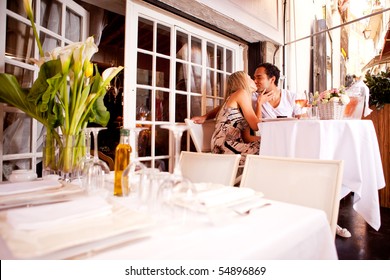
{"x": 133, "y": 175}
{"x": 87, "y": 157}
{"x": 94, "y": 170}
{"x": 175, "y": 189}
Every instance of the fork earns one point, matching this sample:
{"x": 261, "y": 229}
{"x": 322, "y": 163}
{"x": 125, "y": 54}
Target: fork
{"x": 248, "y": 211}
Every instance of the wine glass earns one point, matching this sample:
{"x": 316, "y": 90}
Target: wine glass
{"x": 94, "y": 170}
{"x": 132, "y": 176}
{"x": 175, "y": 189}
{"x": 87, "y": 157}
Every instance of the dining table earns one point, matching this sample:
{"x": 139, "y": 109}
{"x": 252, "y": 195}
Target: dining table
{"x": 243, "y": 226}
{"x": 353, "y": 141}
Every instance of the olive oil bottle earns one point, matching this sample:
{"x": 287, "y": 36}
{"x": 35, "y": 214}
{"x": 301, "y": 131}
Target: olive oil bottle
{"x": 122, "y": 160}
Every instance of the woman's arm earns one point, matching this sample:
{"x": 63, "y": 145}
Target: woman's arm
{"x": 247, "y": 137}
{"x": 244, "y": 102}
{"x": 210, "y": 115}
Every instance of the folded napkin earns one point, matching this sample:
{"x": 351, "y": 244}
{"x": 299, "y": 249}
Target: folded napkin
{"x": 224, "y": 196}
{"x": 38, "y": 217}
{"x": 25, "y": 187}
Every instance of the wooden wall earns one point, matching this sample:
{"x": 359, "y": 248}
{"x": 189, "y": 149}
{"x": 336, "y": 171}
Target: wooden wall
{"x": 381, "y": 120}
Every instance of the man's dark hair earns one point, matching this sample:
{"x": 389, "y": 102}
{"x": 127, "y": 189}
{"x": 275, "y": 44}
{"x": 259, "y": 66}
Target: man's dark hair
{"x": 271, "y": 71}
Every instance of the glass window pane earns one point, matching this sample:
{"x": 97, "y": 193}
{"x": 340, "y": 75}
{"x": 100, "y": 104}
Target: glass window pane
{"x": 181, "y": 45}
{"x": 229, "y": 61}
{"x": 162, "y": 142}
{"x": 220, "y": 85}
{"x": 19, "y": 41}
{"x": 181, "y": 76}
{"x": 196, "y": 79}
{"x": 17, "y": 7}
{"x": 25, "y": 77}
{"x": 73, "y": 26}
{"x": 181, "y": 107}
{"x": 144, "y": 69}
{"x": 162, "y": 106}
{"x": 48, "y": 42}
{"x": 144, "y": 143}
{"x": 51, "y": 15}
{"x": 163, "y": 39}
{"x": 17, "y": 134}
{"x": 145, "y": 34}
{"x": 196, "y": 106}
{"x": 210, "y": 55}
{"x": 143, "y": 104}
{"x": 210, "y": 82}
{"x": 196, "y": 50}
{"x": 162, "y": 72}
{"x": 219, "y": 58}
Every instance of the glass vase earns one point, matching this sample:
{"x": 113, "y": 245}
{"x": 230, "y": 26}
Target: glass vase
{"x": 62, "y": 155}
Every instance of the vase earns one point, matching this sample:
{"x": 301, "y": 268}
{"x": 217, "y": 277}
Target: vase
{"x": 62, "y": 155}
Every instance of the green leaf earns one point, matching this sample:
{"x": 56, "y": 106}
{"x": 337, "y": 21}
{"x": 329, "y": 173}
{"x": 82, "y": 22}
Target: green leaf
{"x": 13, "y": 94}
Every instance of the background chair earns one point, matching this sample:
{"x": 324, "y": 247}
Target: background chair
{"x": 313, "y": 183}
{"x": 209, "y": 168}
{"x": 201, "y": 134}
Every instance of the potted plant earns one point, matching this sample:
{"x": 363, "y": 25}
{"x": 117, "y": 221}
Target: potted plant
{"x": 379, "y": 86}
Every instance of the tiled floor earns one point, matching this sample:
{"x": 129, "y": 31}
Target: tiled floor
{"x": 365, "y": 243}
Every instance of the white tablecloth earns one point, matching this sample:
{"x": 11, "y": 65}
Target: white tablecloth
{"x": 353, "y": 141}
{"x": 277, "y": 231}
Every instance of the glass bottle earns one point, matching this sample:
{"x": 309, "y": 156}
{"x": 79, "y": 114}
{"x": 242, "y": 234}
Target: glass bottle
{"x": 122, "y": 160}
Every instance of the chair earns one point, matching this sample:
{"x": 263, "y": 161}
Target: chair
{"x": 209, "y": 168}
{"x": 201, "y": 134}
{"x": 313, "y": 183}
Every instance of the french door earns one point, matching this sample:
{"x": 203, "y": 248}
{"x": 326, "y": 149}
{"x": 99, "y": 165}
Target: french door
{"x": 174, "y": 70}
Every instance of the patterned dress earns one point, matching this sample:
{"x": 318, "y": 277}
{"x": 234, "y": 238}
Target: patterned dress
{"x": 227, "y": 137}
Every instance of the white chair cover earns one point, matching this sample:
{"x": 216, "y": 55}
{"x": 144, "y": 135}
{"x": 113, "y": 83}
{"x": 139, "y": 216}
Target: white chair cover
{"x": 209, "y": 168}
{"x": 313, "y": 183}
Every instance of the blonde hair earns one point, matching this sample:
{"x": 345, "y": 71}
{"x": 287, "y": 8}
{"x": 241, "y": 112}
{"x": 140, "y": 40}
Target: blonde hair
{"x": 237, "y": 80}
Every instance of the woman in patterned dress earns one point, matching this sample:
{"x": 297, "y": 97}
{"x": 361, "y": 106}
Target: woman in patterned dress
{"x": 236, "y": 118}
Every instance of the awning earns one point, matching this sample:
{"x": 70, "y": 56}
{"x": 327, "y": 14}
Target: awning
{"x": 386, "y": 44}
{"x": 377, "y": 60}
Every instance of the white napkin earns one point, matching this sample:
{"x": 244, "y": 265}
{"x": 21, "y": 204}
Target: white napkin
{"x": 224, "y": 196}
{"x": 38, "y": 217}
{"x": 25, "y": 187}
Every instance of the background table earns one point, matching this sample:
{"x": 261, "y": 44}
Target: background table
{"x": 353, "y": 141}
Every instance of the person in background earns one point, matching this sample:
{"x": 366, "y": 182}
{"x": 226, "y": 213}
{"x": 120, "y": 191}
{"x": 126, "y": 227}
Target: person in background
{"x": 235, "y": 119}
{"x": 354, "y": 83}
{"x": 278, "y": 102}
{"x": 275, "y": 102}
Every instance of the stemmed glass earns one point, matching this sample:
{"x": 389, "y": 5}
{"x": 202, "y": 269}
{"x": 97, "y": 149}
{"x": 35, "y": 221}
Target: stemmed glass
{"x": 176, "y": 189}
{"x": 302, "y": 104}
{"x": 94, "y": 170}
{"x": 87, "y": 157}
{"x": 132, "y": 176}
